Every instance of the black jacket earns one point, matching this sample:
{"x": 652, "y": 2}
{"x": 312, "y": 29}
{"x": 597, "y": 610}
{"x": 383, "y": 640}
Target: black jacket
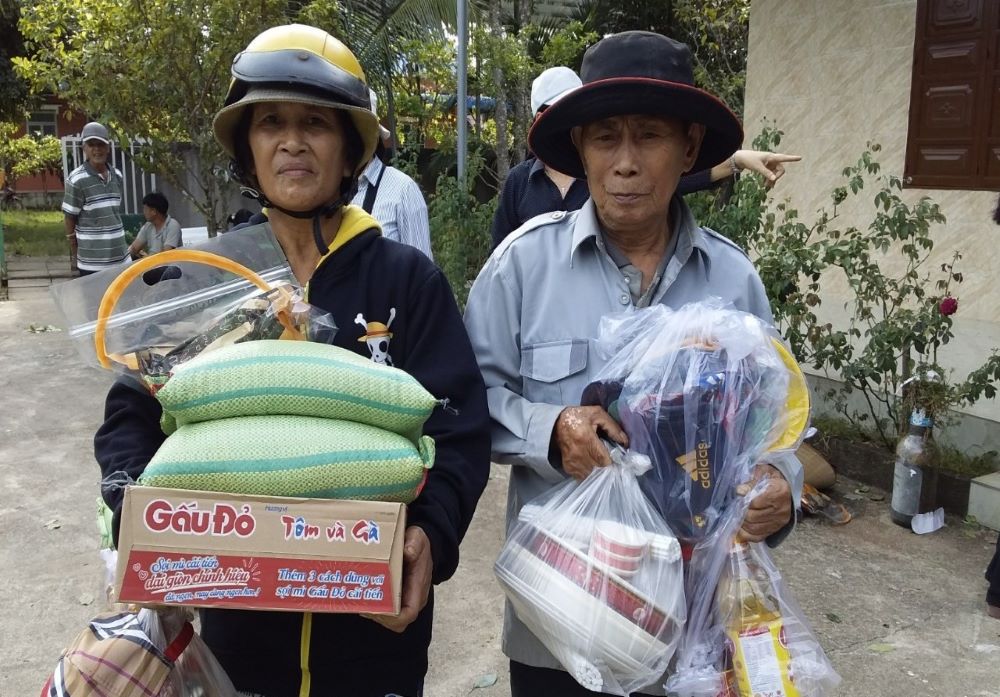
{"x": 369, "y": 276}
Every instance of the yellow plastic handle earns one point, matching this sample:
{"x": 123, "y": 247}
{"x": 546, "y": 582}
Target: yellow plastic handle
{"x": 114, "y": 292}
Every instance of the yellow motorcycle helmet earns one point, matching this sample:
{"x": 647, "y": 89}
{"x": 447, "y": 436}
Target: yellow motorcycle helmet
{"x": 298, "y": 63}
{"x": 303, "y": 64}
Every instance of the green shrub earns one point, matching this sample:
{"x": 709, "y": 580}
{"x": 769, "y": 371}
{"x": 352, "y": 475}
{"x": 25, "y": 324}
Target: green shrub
{"x": 460, "y": 228}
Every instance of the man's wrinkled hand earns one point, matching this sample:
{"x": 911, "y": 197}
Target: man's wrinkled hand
{"x": 770, "y": 510}
{"x": 418, "y": 567}
{"x": 578, "y": 433}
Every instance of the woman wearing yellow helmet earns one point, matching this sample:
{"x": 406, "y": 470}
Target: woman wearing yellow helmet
{"x": 298, "y": 127}
{"x": 312, "y": 76}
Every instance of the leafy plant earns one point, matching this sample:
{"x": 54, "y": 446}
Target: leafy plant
{"x": 460, "y": 228}
{"x": 897, "y": 309}
{"x": 28, "y": 154}
{"x": 155, "y": 71}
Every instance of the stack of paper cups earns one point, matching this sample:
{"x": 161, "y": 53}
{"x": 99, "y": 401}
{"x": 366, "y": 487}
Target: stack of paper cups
{"x": 618, "y": 546}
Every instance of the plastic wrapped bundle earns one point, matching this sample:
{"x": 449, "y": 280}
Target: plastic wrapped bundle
{"x": 165, "y": 299}
{"x": 595, "y": 574}
{"x": 151, "y": 653}
{"x": 707, "y": 393}
{"x": 745, "y": 634}
{"x": 704, "y": 392}
{"x": 773, "y": 649}
{"x": 169, "y": 308}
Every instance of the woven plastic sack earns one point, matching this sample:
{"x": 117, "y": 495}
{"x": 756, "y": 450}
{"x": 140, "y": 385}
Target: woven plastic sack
{"x": 129, "y": 655}
{"x": 591, "y": 569}
{"x": 292, "y": 456}
{"x": 295, "y": 378}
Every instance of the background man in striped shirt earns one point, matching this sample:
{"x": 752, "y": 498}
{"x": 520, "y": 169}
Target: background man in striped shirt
{"x": 92, "y": 207}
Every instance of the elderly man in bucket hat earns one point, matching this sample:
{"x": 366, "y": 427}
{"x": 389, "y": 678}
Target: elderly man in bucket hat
{"x": 633, "y": 128}
{"x": 534, "y": 188}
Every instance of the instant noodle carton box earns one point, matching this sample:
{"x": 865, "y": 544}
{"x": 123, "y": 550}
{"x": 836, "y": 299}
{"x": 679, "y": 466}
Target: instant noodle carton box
{"x": 206, "y": 549}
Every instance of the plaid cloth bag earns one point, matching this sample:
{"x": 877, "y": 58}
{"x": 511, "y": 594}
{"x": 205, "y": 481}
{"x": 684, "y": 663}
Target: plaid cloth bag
{"x": 127, "y": 655}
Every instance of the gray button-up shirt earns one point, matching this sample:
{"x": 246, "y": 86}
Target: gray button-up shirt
{"x": 533, "y": 316}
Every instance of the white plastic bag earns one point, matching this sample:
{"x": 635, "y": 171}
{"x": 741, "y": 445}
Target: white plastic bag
{"x": 592, "y": 570}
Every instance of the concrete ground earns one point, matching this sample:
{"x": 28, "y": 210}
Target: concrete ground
{"x": 899, "y": 615}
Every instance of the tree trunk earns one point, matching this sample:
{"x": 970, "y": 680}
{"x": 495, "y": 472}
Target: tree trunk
{"x": 500, "y": 114}
{"x": 479, "y": 83}
{"x": 523, "y": 11}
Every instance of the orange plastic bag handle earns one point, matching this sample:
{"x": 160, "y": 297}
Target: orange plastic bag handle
{"x": 114, "y": 292}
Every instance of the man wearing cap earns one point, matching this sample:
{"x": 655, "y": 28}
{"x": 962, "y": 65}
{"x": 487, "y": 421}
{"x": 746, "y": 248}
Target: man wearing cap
{"x": 393, "y": 198}
{"x": 630, "y": 131}
{"x": 533, "y": 188}
{"x": 92, "y": 207}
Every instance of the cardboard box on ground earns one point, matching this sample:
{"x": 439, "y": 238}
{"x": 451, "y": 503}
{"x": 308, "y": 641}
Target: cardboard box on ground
{"x": 208, "y": 549}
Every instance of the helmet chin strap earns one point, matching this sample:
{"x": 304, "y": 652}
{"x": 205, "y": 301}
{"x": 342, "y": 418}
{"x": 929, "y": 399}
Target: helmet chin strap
{"x": 317, "y": 214}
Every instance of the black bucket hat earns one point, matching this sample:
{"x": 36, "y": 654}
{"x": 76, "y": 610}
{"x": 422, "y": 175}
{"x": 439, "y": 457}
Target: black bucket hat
{"x": 634, "y": 72}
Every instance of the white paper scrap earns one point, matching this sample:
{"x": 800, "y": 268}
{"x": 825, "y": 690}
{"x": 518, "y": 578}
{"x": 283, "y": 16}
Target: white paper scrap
{"x": 924, "y": 523}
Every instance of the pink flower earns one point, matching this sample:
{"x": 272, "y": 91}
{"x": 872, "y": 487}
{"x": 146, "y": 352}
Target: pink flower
{"x": 948, "y": 306}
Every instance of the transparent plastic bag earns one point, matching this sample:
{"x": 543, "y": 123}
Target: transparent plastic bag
{"x": 192, "y": 306}
{"x": 278, "y": 313}
{"x": 773, "y": 649}
{"x": 707, "y": 393}
{"x": 704, "y": 391}
{"x": 172, "y": 301}
{"x": 595, "y": 574}
{"x": 745, "y": 635}
{"x": 196, "y": 672}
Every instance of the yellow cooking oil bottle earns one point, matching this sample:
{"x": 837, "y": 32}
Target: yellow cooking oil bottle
{"x": 761, "y": 662}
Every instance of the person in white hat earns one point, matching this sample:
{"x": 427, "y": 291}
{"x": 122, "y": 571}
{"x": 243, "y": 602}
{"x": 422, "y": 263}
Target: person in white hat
{"x": 92, "y": 207}
{"x": 393, "y": 198}
{"x": 534, "y": 188}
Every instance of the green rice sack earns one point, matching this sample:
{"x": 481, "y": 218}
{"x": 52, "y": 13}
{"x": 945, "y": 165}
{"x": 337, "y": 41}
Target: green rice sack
{"x": 292, "y": 456}
{"x": 297, "y": 378}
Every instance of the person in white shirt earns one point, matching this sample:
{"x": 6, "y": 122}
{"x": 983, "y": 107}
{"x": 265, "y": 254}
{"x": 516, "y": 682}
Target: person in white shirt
{"x": 394, "y": 199}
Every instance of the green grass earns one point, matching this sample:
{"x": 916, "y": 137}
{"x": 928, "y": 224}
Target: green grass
{"x": 34, "y": 233}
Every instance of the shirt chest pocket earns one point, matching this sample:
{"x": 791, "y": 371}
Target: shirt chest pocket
{"x": 554, "y": 371}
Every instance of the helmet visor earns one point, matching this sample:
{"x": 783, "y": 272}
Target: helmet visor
{"x": 299, "y": 68}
